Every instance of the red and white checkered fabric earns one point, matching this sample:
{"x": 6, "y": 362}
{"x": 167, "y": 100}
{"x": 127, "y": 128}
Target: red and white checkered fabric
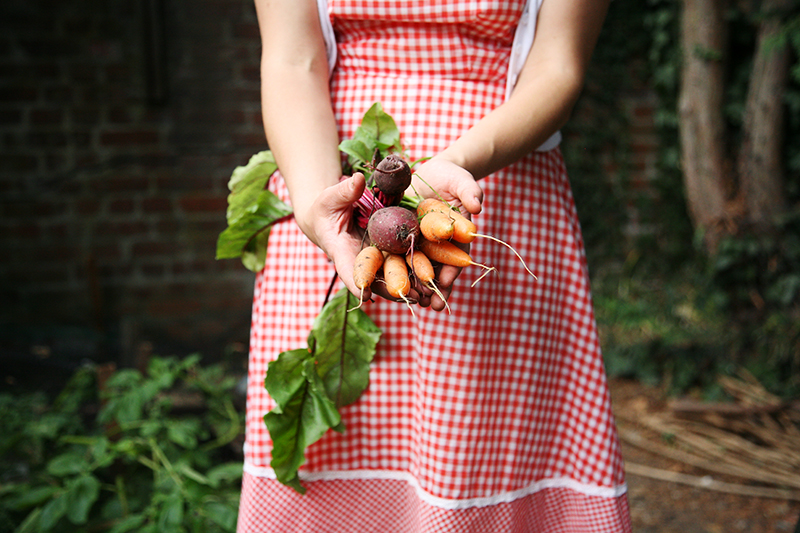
{"x": 495, "y": 417}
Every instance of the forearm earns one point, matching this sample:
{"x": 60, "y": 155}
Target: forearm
{"x": 547, "y": 89}
{"x": 301, "y": 132}
{"x": 298, "y": 119}
{"x": 535, "y": 111}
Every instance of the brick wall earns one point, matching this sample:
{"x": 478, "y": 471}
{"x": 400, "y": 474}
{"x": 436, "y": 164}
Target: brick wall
{"x": 120, "y": 123}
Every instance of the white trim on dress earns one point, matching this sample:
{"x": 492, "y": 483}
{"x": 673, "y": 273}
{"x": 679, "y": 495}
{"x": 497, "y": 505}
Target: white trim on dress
{"x": 449, "y": 503}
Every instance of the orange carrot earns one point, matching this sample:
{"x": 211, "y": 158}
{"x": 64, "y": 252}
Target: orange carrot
{"x": 395, "y": 274}
{"x": 447, "y": 253}
{"x": 464, "y": 230}
{"x": 422, "y": 268}
{"x": 368, "y": 262}
{"x": 436, "y": 226}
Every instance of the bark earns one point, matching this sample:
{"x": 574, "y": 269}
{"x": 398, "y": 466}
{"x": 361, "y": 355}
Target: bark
{"x": 706, "y": 171}
{"x": 761, "y": 178}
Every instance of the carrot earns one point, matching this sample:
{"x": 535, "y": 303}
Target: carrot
{"x": 464, "y": 230}
{"x": 422, "y": 268}
{"x": 447, "y": 253}
{"x": 395, "y": 274}
{"x": 368, "y": 262}
{"x": 436, "y": 226}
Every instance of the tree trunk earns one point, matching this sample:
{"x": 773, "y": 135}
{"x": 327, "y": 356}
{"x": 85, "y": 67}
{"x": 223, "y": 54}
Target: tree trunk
{"x": 761, "y": 178}
{"x": 702, "y": 127}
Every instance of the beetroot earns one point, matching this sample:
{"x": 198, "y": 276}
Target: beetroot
{"x": 393, "y": 229}
{"x": 392, "y": 175}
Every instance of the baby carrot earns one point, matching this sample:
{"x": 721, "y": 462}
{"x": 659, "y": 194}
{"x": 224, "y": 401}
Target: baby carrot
{"x": 395, "y": 274}
{"x": 447, "y": 253}
{"x": 436, "y": 226}
{"x": 422, "y": 268}
{"x": 368, "y": 262}
{"x": 464, "y": 230}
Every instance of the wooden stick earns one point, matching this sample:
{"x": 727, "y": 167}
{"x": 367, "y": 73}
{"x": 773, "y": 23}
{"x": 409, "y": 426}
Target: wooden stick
{"x": 707, "y": 482}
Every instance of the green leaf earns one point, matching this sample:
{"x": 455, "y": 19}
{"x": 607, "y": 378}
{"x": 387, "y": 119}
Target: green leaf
{"x": 223, "y": 515}
{"x": 247, "y": 182}
{"x": 265, "y": 210}
{"x": 171, "y": 516}
{"x": 224, "y": 473}
{"x": 254, "y": 255}
{"x": 52, "y": 512}
{"x": 31, "y": 497}
{"x": 381, "y": 127}
{"x": 184, "y": 432}
{"x": 129, "y": 523}
{"x": 302, "y": 421}
{"x": 30, "y": 524}
{"x": 67, "y": 464}
{"x": 285, "y": 376}
{"x": 344, "y": 341}
{"x": 81, "y": 495}
{"x": 252, "y": 209}
{"x": 357, "y": 150}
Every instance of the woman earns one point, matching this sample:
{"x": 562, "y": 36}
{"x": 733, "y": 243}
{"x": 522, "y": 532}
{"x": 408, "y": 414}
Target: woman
{"x": 492, "y": 418}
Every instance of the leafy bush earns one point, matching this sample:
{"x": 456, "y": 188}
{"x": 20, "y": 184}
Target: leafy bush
{"x": 134, "y": 464}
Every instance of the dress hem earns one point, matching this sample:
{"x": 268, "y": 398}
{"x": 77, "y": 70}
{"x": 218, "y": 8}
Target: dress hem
{"x": 449, "y": 503}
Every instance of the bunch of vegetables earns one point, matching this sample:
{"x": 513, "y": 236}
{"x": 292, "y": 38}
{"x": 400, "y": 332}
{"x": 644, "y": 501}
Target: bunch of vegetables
{"x": 405, "y": 235}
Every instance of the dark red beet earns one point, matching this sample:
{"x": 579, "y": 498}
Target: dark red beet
{"x": 393, "y": 229}
{"x": 392, "y": 175}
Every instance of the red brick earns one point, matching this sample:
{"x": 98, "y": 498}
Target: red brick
{"x": 204, "y": 204}
{"x": 10, "y": 117}
{"x": 46, "y": 116}
{"x": 18, "y": 163}
{"x": 87, "y": 206}
{"x": 121, "y": 228}
{"x": 120, "y": 206}
{"x": 156, "y": 205}
{"x": 18, "y": 94}
{"x": 150, "y": 248}
{"x": 130, "y": 137}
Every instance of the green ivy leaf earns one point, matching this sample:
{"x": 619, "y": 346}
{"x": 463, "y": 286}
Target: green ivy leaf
{"x": 344, "y": 341}
{"x": 302, "y": 421}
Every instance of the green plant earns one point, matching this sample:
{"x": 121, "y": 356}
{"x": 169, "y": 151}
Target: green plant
{"x": 137, "y": 463}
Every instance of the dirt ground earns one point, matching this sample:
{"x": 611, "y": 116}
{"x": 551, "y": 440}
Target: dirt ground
{"x": 665, "y": 507}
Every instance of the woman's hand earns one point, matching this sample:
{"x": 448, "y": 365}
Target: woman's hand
{"x": 458, "y": 187}
{"x": 328, "y": 222}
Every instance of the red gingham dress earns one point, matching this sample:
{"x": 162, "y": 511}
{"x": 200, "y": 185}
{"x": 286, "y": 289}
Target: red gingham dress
{"x": 494, "y": 418}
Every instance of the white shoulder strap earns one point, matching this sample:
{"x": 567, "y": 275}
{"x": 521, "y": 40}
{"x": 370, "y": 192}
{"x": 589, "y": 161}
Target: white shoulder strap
{"x": 327, "y": 33}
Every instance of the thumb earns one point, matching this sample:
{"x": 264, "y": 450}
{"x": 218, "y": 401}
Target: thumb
{"x": 470, "y": 194}
{"x": 347, "y": 191}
